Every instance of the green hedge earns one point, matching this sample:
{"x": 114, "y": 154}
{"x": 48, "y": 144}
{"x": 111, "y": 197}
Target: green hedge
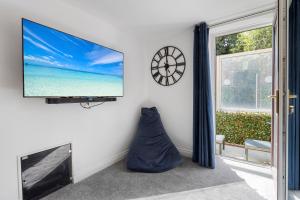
{"x": 240, "y": 126}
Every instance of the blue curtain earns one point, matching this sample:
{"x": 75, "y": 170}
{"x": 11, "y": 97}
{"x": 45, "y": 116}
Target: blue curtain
{"x": 294, "y": 86}
{"x": 203, "y": 126}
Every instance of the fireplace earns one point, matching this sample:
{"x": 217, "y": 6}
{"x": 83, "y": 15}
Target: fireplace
{"x": 45, "y": 172}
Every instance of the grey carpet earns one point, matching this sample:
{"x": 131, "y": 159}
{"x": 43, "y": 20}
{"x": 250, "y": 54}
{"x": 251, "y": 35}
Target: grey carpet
{"x": 230, "y": 191}
{"x": 117, "y": 183}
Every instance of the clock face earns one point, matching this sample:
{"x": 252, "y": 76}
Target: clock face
{"x": 168, "y": 66}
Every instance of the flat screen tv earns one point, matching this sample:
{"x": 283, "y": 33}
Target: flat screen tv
{"x": 57, "y": 64}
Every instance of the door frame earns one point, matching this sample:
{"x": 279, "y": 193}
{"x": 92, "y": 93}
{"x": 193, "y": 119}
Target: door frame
{"x": 234, "y": 27}
{"x": 282, "y": 13}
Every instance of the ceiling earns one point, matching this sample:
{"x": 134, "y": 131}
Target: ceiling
{"x": 147, "y": 15}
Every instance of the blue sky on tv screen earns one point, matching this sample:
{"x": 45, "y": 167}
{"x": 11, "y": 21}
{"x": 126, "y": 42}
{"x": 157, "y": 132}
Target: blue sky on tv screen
{"x": 47, "y": 47}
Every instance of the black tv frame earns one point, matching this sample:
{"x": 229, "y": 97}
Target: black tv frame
{"x": 70, "y": 99}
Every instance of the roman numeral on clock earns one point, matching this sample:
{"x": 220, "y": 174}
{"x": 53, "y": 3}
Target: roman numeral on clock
{"x": 174, "y": 79}
{"x": 179, "y": 72}
{"x": 167, "y": 81}
{"x": 154, "y": 67}
{"x": 166, "y": 51}
{"x": 154, "y": 60}
{"x": 155, "y": 74}
{"x": 173, "y": 51}
{"x": 160, "y": 79}
{"x": 159, "y": 54}
{"x": 180, "y": 64}
{"x": 179, "y": 56}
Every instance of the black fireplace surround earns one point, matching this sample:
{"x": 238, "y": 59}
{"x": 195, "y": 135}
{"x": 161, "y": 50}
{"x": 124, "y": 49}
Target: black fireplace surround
{"x": 45, "y": 172}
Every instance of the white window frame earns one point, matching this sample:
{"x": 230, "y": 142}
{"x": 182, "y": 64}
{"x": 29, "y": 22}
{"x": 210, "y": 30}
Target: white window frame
{"x": 227, "y": 29}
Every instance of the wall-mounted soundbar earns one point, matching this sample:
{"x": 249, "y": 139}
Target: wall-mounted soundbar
{"x": 78, "y": 100}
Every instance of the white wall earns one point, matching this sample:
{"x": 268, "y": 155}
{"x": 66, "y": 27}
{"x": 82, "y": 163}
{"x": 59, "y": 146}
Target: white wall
{"x": 26, "y": 125}
{"x": 175, "y": 103}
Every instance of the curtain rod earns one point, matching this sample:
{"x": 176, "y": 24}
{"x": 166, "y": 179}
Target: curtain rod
{"x": 243, "y": 17}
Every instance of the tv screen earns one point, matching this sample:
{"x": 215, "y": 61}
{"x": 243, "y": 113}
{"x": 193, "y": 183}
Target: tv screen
{"x": 57, "y": 64}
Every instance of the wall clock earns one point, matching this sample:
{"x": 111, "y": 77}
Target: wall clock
{"x": 168, "y": 65}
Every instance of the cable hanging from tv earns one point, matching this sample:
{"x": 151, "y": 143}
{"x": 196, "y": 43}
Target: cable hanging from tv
{"x": 87, "y": 105}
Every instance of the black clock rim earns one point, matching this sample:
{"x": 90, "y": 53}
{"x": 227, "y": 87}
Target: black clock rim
{"x": 153, "y": 59}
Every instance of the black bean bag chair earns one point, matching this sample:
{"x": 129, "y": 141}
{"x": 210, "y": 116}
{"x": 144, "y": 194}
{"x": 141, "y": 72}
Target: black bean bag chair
{"x": 151, "y": 149}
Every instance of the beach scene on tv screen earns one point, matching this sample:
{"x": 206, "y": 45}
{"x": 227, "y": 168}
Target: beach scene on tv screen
{"x": 60, "y": 65}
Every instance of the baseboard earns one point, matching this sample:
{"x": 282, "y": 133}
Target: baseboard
{"x": 106, "y": 163}
{"x": 185, "y": 151}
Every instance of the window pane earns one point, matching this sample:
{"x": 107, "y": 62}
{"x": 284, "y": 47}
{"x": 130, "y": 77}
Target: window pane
{"x": 246, "y": 80}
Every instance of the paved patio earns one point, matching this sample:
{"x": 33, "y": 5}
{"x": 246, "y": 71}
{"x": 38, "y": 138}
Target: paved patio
{"x": 239, "y": 153}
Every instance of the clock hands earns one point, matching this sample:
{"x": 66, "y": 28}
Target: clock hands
{"x": 168, "y": 65}
{"x": 167, "y": 72}
{"x": 167, "y": 60}
{"x": 173, "y": 65}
